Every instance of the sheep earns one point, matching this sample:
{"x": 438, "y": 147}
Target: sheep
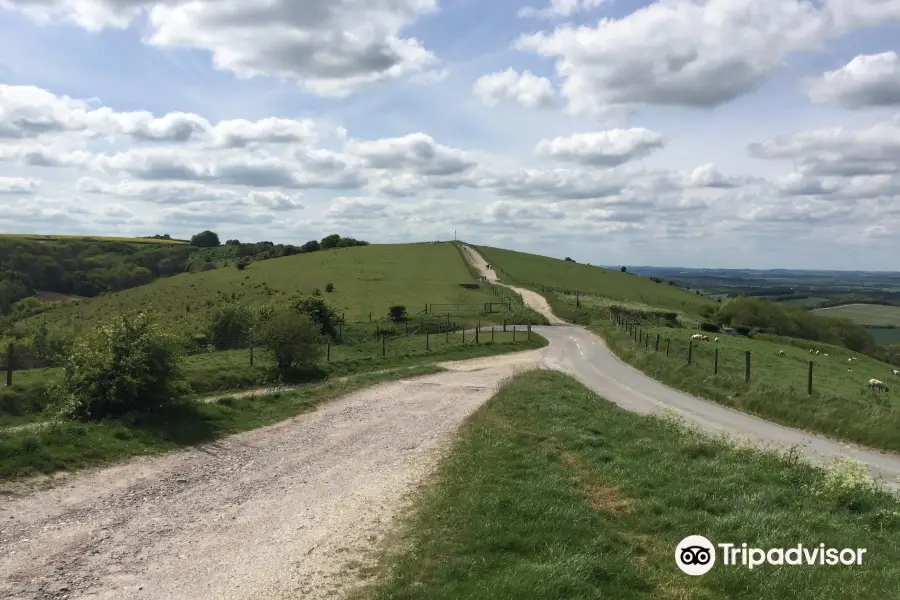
{"x": 817, "y": 352}
{"x": 878, "y": 385}
{"x": 699, "y": 336}
{"x": 781, "y": 352}
{"x": 826, "y": 354}
{"x": 717, "y": 339}
{"x": 849, "y": 370}
{"x": 895, "y": 372}
{"x": 811, "y": 351}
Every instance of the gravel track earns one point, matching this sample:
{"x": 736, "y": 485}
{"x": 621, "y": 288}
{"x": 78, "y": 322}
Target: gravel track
{"x": 278, "y": 512}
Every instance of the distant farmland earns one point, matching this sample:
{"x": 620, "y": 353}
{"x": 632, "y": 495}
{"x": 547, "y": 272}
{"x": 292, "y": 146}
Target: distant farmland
{"x": 864, "y": 314}
{"x": 89, "y": 238}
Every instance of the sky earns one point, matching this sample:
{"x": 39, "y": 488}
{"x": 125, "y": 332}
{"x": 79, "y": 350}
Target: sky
{"x": 716, "y": 133}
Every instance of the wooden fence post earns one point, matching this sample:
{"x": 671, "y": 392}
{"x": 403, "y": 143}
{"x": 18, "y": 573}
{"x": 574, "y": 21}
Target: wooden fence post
{"x": 690, "y": 351}
{"x": 427, "y": 341}
{"x": 504, "y": 325}
{"x": 477, "y": 327}
{"x": 747, "y": 367}
{"x": 514, "y": 333}
{"x": 328, "y": 352}
{"x": 667, "y": 347}
{"x": 492, "y": 333}
{"x": 383, "y": 346}
{"x": 646, "y": 341}
{"x": 9, "y": 364}
{"x": 529, "y": 332}
{"x": 716, "y": 363}
{"x": 251, "y": 351}
{"x": 370, "y": 316}
{"x": 656, "y": 348}
{"x": 809, "y": 379}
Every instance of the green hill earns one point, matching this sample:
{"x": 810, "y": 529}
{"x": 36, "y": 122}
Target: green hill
{"x": 534, "y": 270}
{"x": 366, "y": 279}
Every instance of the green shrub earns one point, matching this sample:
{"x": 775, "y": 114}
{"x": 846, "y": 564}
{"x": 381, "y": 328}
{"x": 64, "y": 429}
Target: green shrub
{"x": 317, "y": 310}
{"x": 397, "y": 313}
{"x": 711, "y": 327}
{"x": 129, "y": 364}
{"x": 292, "y": 339}
{"x": 229, "y": 326}
{"x": 329, "y": 287}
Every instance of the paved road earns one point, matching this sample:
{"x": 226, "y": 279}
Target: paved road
{"x": 580, "y": 353}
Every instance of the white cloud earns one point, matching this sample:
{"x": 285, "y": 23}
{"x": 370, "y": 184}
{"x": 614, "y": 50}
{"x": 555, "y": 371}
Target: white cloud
{"x": 867, "y": 80}
{"x": 561, "y": 8}
{"x": 416, "y": 152}
{"x": 527, "y": 89}
{"x": 332, "y": 48}
{"x": 690, "y": 53}
{"x": 603, "y": 148}
{"x": 18, "y": 185}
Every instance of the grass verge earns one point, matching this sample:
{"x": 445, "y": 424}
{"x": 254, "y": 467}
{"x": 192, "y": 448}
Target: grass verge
{"x": 841, "y": 405}
{"x": 70, "y": 445}
{"x": 553, "y": 493}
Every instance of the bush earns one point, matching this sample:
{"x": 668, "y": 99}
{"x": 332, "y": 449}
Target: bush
{"x": 623, "y": 269}
{"x": 317, "y": 310}
{"x": 129, "y": 364}
{"x": 397, "y": 313}
{"x": 329, "y": 287}
{"x": 242, "y": 264}
{"x": 291, "y": 339}
{"x": 568, "y": 259}
{"x": 745, "y": 331}
{"x": 710, "y": 327}
{"x": 51, "y": 346}
{"x": 229, "y": 326}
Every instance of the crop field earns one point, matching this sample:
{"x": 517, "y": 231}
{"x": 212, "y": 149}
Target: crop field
{"x": 367, "y": 279}
{"x": 840, "y": 406}
{"x": 525, "y": 269}
{"x": 864, "y": 314}
{"x": 90, "y": 238}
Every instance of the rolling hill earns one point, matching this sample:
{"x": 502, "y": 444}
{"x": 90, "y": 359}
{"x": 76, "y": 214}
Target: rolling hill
{"x": 529, "y": 269}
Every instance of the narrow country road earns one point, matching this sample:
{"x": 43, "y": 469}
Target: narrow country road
{"x": 580, "y": 353}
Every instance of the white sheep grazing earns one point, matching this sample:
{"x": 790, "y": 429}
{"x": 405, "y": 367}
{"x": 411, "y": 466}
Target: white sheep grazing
{"x": 781, "y": 352}
{"x": 696, "y": 336}
{"x": 826, "y": 354}
{"x": 849, "y": 360}
{"x": 895, "y": 372}
{"x": 877, "y": 385}
{"x": 810, "y": 350}
{"x": 817, "y": 352}
{"x": 717, "y": 339}
{"x": 849, "y": 370}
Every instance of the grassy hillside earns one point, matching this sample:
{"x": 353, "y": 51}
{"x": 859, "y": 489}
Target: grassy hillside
{"x": 89, "y": 238}
{"x": 575, "y": 499}
{"x": 528, "y": 269}
{"x": 864, "y": 314}
{"x": 366, "y": 279}
{"x": 841, "y": 405}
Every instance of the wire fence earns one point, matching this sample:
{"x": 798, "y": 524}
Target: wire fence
{"x": 397, "y": 339}
{"x": 699, "y": 351}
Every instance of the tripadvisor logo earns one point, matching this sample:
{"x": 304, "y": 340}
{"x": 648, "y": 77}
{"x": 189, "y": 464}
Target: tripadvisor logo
{"x": 696, "y": 555}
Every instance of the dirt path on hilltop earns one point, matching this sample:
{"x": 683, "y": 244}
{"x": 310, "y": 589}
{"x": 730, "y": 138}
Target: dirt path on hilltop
{"x": 532, "y": 300}
{"x": 278, "y": 512}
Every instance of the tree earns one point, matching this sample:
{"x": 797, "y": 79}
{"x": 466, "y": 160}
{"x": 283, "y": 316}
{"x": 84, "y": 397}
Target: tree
{"x": 128, "y": 364}
{"x": 233, "y": 243}
{"x": 623, "y": 269}
{"x": 397, "y": 313}
{"x": 310, "y": 246}
{"x": 330, "y": 241}
{"x": 292, "y": 339}
{"x": 568, "y": 259}
{"x": 206, "y": 239}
